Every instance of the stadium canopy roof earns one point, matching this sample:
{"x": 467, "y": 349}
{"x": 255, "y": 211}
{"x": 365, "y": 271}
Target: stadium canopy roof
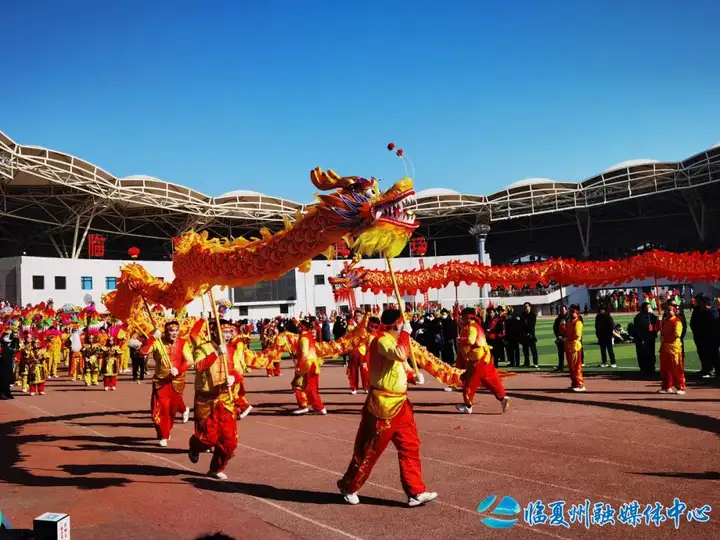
{"x": 38, "y": 176}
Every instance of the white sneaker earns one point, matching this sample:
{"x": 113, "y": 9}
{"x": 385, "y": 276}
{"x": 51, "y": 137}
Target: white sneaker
{"x": 324, "y": 411}
{"x": 353, "y": 392}
{"x": 613, "y": 365}
{"x": 43, "y": 393}
{"x": 218, "y": 475}
{"x": 581, "y": 389}
{"x": 350, "y": 498}
{"x": 32, "y": 393}
{"x": 302, "y": 411}
{"x": 25, "y": 390}
{"x": 505, "y": 403}
{"x": 448, "y": 389}
{"x": 464, "y": 409}
{"x": 423, "y": 498}
{"x": 679, "y": 392}
{"x": 186, "y": 415}
{"x": 246, "y": 412}
{"x": 114, "y": 388}
{"x": 163, "y": 443}
{"x": 107, "y": 388}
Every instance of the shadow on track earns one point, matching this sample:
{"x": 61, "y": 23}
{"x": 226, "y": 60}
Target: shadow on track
{"x": 281, "y": 494}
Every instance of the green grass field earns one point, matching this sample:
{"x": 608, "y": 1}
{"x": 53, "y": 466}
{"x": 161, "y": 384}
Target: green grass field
{"x": 624, "y": 353}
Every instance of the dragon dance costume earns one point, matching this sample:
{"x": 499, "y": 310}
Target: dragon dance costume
{"x": 672, "y": 364}
{"x": 480, "y": 368}
{"x": 574, "y": 349}
{"x": 173, "y": 357}
{"x": 388, "y": 416}
{"x": 215, "y": 403}
{"x": 306, "y": 382}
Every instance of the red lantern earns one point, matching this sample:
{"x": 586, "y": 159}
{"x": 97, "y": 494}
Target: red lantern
{"x": 391, "y": 146}
{"x": 399, "y": 152}
{"x": 418, "y": 246}
{"x": 341, "y": 250}
{"x": 134, "y": 252}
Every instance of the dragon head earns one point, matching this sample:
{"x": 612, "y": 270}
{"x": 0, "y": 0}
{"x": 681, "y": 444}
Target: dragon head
{"x": 378, "y": 222}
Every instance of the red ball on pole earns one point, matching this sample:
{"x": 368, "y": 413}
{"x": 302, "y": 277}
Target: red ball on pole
{"x": 134, "y": 252}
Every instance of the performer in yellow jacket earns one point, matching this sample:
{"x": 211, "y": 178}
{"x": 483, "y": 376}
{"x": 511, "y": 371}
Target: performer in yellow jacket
{"x": 387, "y": 415}
{"x": 306, "y": 383}
{"x": 672, "y": 365}
{"x": 173, "y": 357}
{"x": 215, "y": 405}
{"x": 574, "y": 349}
{"x": 479, "y": 366}
{"x": 111, "y": 363}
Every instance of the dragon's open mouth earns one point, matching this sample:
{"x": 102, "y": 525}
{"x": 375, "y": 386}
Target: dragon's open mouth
{"x": 396, "y": 211}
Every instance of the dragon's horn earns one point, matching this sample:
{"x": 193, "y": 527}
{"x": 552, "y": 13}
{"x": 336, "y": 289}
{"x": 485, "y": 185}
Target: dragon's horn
{"x": 327, "y": 180}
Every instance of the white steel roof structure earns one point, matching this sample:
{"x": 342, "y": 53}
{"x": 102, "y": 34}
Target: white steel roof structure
{"x": 62, "y": 192}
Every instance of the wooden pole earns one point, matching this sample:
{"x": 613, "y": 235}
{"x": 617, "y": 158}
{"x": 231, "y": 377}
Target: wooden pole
{"x": 161, "y": 345}
{"x": 402, "y": 308}
{"x": 219, "y": 331}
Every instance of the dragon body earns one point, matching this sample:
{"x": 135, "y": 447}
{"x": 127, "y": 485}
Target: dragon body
{"x": 690, "y": 267}
{"x": 354, "y": 210}
{"x": 286, "y": 342}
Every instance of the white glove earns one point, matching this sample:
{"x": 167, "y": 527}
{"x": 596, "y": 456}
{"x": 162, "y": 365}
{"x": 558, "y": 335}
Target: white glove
{"x": 407, "y": 327}
{"x": 230, "y": 381}
{"x": 174, "y": 371}
{"x": 157, "y": 334}
{"x": 419, "y": 379}
{"x": 223, "y": 348}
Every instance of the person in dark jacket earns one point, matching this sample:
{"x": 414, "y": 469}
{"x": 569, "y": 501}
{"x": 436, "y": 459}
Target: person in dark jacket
{"x": 9, "y": 346}
{"x": 513, "y": 336}
{"x": 449, "y": 334}
{"x": 528, "y": 319}
{"x": 706, "y": 329}
{"x": 645, "y": 334}
{"x": 604, "y": 325}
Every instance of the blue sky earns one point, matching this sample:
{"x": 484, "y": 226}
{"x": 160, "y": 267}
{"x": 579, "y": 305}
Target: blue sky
{"x": 253, "y": 95}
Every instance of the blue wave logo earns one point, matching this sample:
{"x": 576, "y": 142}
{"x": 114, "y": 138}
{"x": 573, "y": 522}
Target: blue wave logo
{"x": 4, "y": 524}
{"x": 507, "y": 507}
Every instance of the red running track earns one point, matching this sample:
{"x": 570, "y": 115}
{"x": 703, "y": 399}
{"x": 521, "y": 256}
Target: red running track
{"x": 92, "y": 454}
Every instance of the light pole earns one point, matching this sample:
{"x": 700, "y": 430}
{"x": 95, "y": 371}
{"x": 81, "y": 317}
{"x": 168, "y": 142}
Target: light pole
{"x": 480, "y": 232}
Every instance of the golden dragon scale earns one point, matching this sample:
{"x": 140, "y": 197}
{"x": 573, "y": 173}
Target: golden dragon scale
{"x": 660, "y": 264}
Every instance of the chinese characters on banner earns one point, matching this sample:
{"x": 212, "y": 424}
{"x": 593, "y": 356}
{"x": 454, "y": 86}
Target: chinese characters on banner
{"x": 602, "y": 514}
{"x": 96, "y": 245}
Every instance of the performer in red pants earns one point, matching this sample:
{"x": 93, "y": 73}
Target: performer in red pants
{"x": 480, "y": 368}
{"x": 307, "y": 371}
{"x": 173, "y": 357}
{"x": 574, "y": 349}
{"x": 215, "y": 402}
{"x": 388, "y": 416}
{"x": 672, "y": 364}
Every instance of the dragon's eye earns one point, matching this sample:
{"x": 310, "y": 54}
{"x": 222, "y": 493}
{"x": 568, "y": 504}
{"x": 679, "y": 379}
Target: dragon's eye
{"x": 370, "y": 193}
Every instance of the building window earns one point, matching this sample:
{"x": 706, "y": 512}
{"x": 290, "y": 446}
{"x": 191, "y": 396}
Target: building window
{"x": 60, "y": 283}
{"x": 319, "y": 279}
{"x": 110, "y": 283}
{"x": 320, "y": 310}
{"x": 243, "y": 311}
{"x": 284, "y": 309}
{"x": 38, "y": 283}
{"x": 86, "y": 283}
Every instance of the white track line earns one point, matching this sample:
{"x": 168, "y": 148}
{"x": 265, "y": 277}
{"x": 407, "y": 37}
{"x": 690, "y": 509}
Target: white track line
{"x": 459, "y": 465}
{"x": 336, "y": 474}
{"x": 185, "y": 467}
